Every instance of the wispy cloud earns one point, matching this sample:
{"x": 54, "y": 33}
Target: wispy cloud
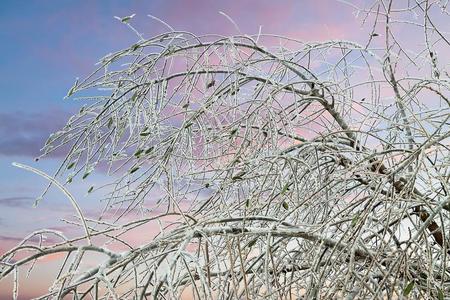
{"x": 18, "y": 202}
{"x": 4, "y": 238}
{"x": 25, "y": 133}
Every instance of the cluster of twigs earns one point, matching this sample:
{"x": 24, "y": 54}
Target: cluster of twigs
{"x": 303, "y": 169}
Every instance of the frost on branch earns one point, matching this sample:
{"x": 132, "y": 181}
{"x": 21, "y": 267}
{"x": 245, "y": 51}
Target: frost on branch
{"x": 270, "y": 167}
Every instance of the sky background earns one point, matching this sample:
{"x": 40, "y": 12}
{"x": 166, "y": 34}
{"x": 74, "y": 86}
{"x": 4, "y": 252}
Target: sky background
{"x": 47, "y": 44}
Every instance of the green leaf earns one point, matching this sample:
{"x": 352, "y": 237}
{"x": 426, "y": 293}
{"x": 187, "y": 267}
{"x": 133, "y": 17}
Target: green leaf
{"x": 284, "y": 189}
{"x": 70, "y": 166}
{"x": 355, "y": 220}
{"x": 440, "y": 294}
{"x": 148, "y": 150}
{"x": 252, "y": 243}
{"x": 132, "y": 170}
{"x": 408, "y": 289}
{"x": 234, "y": 91}
{"x": 86, "y": 175}
{"x": 247, "y": 203}
{"x": 91, "y": 189}
{"x": 144, "y": 133}
{"x": 285, "y": 205}
{"x": 233, "y": 131}
{"x": 133, "y": 98}
{"x": 139, "y": 152}
{"x": 110, "y": 122}
{"x": 125, "y": 19}
{"x": 239, "y": 175}
{"x": 36, "y": 202}
{"x": 134, "y": 47}
{"x": 207, "y": 185}
{"x": 69, "y": 179}
{"x": 72, "y": 89}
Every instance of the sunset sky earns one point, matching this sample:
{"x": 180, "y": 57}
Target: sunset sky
{"x": 47, "y": 44}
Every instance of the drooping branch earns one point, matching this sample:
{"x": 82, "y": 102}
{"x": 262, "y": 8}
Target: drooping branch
{"x": 316, "y": 170}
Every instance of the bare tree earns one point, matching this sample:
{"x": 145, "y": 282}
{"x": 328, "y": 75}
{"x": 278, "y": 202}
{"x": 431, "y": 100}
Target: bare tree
{"x": 313, "y": 170}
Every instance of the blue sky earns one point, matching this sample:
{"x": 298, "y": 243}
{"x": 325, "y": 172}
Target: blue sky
{"x": 47, "y": 44}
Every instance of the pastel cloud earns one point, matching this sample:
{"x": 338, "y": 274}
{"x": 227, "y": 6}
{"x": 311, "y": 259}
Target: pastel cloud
{"x": 16, "y": 202}
{"x": 51, "y": 43}
{"x": 26, "y": 133}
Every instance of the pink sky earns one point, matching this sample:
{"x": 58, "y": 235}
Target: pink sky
{"x": 49, "y": 43}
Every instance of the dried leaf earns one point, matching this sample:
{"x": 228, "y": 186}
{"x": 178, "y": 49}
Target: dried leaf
{"x": 210, "y": 84}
